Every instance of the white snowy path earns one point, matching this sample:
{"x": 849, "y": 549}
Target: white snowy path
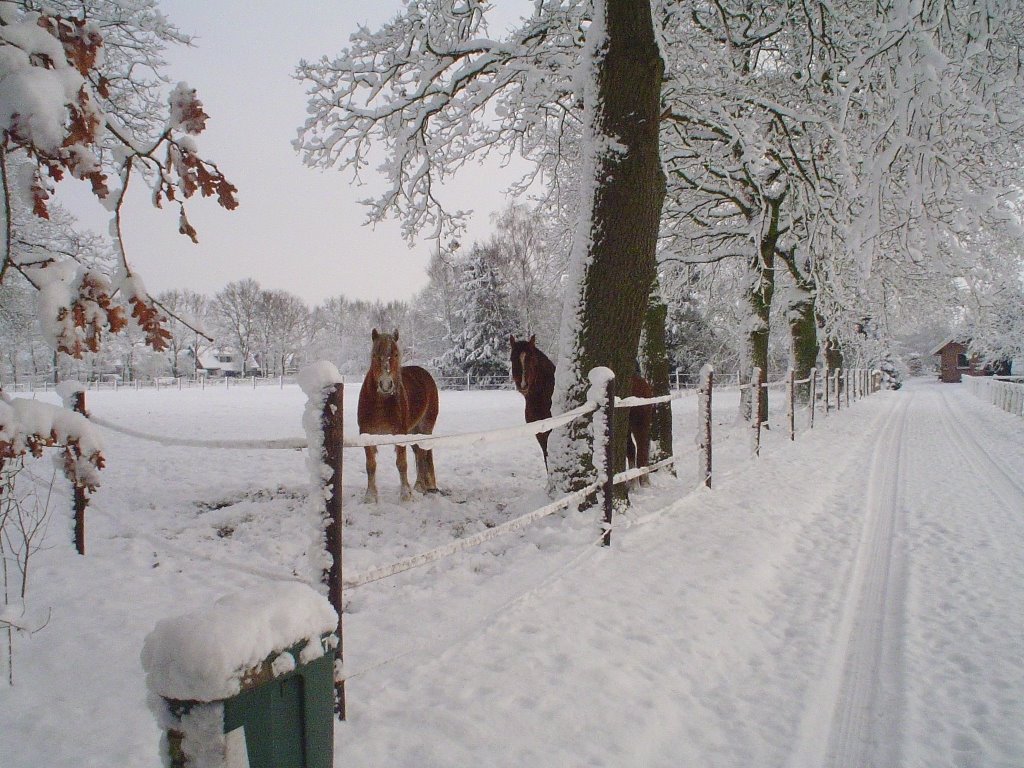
{"x": 853, "y": 599}
{"x": 865, "y": 614}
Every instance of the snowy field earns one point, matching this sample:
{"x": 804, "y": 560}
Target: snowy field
{"x": 851, "y": 599}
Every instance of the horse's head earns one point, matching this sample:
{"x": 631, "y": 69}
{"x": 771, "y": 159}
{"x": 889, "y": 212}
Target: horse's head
{"x": 385, "y": 362}
{"x": 524, "y": 363}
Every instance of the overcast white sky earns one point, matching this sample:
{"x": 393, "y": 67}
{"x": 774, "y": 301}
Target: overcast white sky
{"x": 297, "y": 228}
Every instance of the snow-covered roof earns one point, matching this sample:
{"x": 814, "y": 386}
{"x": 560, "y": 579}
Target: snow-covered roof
{"x": 950, "y": 340}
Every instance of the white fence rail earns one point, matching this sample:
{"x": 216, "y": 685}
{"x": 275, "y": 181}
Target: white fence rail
{"x": 1006, "y": 393}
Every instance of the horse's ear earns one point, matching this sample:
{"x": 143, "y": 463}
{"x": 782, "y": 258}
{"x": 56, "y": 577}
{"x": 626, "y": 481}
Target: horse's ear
{"x": 396, "y": 334}
{"x": 511, "y": 339}
{"x": 533, "y": 341}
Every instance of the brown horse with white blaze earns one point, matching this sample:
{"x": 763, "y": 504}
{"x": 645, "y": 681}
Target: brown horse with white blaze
{"x": 534, "y": 377}
{"x": 397, "y": 399}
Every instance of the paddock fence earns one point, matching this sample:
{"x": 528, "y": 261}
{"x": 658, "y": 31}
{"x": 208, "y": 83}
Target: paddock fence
{"x": 678, "y": 380}
{"x": 1004, "y": 392}
{"x": 323, "y": 420}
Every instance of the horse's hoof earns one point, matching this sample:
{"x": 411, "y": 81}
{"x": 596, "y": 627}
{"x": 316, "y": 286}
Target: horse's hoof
{"x": 406, "y": 494}
{"x": 370, "y": 498}
{"x": 433, "y": 490}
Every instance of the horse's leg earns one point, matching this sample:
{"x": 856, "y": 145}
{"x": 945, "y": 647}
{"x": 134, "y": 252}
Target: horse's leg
{"x": 421, "y": 472}
{"x": 403, "y": 471}
{"x": 428, "y": 465}
{"x": 371, "y": 474}
{"x": 425, "y": 480}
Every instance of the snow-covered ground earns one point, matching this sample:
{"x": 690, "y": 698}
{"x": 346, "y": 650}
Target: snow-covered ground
{"x": 851, "y": 599}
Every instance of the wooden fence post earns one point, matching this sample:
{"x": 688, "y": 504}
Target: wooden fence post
{"x": 791, "y": 409}
{"x": 608, "y": 489}
{"x": 828, "y": 388}
{"x": 81, "y": 500}
{"x": 839, "y": 390}
{"x": 814, "y": 392}
{"x": 332, "y": 423}
{"x": 706, "y": 387}
{"x": 755, "y": 407}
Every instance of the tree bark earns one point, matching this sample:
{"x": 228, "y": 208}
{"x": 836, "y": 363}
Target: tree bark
{"x": 803, "y": 324}
{"x": 759, "y": 298}
{"x": 655, "y": 368}
{"x": 613, "y": 262}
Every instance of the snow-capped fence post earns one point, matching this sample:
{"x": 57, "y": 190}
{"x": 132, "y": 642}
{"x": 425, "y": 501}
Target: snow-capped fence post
{"x": 791, "y": 406}
{"x": 704, "y": 394}
{"x": 333, "y": 423}
{"x": 323, "y": 420}
{"x": 755, "y": 408}
{"x": 81, "y": 500}
{"x": 827, "y": 381}
{"x": 814, "y": 392}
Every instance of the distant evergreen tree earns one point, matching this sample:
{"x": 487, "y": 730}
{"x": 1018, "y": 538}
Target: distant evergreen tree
{"x": 484, "y": 319}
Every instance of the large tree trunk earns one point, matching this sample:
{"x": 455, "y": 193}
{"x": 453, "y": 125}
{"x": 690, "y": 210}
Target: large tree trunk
{"x": 655, "y": 368}
{"x": 803, "y": 324}
{"x": 613, "y": 259}
{"x": 759, "y": 297}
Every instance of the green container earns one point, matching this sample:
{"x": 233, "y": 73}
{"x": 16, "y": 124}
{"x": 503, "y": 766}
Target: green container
{"x": 275, "y": 721}
{"x": 288, "y": 721}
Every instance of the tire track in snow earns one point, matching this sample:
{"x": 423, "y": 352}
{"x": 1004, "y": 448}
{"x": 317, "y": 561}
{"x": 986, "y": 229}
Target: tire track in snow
{"x": 1001, "y": 482}
{"x": 851, "y": 718}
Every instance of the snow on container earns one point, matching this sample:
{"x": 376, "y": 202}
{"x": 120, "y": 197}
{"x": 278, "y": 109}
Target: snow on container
{"x": 247, "y": 682}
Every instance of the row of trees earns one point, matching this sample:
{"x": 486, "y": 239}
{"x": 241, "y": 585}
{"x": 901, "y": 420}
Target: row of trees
{"x": 458, "y": 325}
{"x": 827, "y": 168}
{"x": 842, "y": 164}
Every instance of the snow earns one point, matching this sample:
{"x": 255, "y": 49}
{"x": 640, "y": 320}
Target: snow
{"x": 852, "y": 598}
{"x": 202, "y": 655}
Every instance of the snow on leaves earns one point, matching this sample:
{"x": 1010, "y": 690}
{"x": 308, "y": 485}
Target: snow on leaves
{"x": 187, "y": 172}
{"x": 72, "y": 105}
{"x": 31, "y": 426}
{"x": 76, "y": 306}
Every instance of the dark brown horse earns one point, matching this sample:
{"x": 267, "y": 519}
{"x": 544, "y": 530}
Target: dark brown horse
{"x": 534, "y": 376}
{"x": 397, "y": 399}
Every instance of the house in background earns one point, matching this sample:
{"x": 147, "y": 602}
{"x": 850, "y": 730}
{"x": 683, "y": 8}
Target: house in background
{"x": 224, "y": 362}
{"x": 954, "y": 361}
